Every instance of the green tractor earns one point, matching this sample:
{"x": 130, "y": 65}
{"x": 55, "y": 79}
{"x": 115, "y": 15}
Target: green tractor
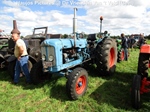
{"x": 3, "y": 41}
{"x": 4, "y": 48}
{"x": 120, "y": 56}
{"x": 3, "y": 44}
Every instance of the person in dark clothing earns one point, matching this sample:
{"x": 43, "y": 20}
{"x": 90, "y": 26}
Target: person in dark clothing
{"x": 132, "y": 42}
{"x": 129, "y": 42}
{"x": 141, "y": 40}
{"x": 124, "y": 45}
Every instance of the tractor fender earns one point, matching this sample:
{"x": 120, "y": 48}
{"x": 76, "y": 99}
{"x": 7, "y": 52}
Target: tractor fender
{"x": 32, "y": 59}
{"x": 145, "y": 48}
{"x": 11, "y": 58}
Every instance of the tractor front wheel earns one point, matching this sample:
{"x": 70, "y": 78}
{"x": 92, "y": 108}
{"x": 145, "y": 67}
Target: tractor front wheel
{"x": 77, "y": 82}
{"x": 135, "y": 92}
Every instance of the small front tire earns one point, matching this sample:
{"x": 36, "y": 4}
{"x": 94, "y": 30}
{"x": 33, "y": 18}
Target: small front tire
{"x": 77, "y": 83}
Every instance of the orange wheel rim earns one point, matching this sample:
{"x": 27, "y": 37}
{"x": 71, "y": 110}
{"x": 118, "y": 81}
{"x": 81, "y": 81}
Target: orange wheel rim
{"x": 122, "y": 55}
{"x": 112, "y": 57}
{"x": 81, "y": 84}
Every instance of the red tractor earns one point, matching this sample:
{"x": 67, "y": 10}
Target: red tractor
{"x": 140, "y": 82}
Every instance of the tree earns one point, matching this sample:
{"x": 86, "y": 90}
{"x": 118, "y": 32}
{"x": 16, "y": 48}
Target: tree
{"x": 65, "y": 36}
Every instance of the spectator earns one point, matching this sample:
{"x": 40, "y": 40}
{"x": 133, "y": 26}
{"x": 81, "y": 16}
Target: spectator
{"x": 129, "y": 42}
{"x": 132, "y": 42}
{"x": 124, "y": 45}
{"x": 141, "y": 40}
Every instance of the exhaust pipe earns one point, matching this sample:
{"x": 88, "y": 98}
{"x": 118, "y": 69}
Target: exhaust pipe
{"x": 15, "y": 29}
{"x": 101, "y": 18}
{"x": 75, "y": 26}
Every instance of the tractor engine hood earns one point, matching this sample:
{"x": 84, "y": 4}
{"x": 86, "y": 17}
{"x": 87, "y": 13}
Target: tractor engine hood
{"x": 64, "y": 43}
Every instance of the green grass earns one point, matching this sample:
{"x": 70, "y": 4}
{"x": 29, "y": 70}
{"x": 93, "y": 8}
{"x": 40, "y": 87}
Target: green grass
{"x": 104, "y": 94}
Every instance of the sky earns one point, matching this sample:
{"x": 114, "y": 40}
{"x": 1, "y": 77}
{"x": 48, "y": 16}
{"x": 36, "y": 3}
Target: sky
{"x": 119, "y": 16}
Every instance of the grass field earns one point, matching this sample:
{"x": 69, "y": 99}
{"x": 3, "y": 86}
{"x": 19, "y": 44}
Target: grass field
{"x": 104, "y": 94}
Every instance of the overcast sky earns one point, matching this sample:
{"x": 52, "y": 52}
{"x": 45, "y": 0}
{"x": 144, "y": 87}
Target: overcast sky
{"x": 120, "y": 16}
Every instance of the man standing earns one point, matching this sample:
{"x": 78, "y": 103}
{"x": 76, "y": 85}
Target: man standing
{"x": 141, "y": 40}
{"x": 124, "y": 46}
{"x": 21, "y": 54}
{"x": 132, "y": 42}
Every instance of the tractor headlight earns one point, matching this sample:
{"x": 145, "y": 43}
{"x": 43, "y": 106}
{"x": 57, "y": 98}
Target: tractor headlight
{"x": 43, "y": 57}
{"x": 51, "y": 58}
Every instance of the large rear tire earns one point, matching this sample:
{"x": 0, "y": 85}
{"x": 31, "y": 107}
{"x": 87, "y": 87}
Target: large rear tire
{"x": 143, "y": 65}
{"x": 135, "y": 92}
{"x": 77, "y": 82}
{"x": 11, "y": 69}
{"x": 36, "y": 72}
{"x": 106, "y": 56}
{"x": 1, "y": 59}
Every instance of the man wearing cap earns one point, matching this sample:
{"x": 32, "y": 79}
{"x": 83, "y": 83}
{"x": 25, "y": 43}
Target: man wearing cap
{"x": 21, "y": 54}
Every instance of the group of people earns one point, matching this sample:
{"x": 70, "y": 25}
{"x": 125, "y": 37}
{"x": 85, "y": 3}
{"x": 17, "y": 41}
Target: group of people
{"x": 128, "y": 42}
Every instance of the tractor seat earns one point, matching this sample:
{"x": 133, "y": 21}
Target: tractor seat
{"x": 91, "y": 37}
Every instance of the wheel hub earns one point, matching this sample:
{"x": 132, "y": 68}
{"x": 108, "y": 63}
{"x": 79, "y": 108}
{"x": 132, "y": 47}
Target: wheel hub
{"x": 80, "y": 84}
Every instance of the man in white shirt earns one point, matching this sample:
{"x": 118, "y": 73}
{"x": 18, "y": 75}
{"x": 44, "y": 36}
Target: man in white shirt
{"x": 21, "y": 54}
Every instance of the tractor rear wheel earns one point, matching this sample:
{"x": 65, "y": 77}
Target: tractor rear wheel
{"x": 77, "y": 82}
{"x": 106, "y": 56}
{"x": 120, "y": 55}
{"x": 36, "y": 72}
{"x": 135, "y": 92}
{"x": 11, "y": 69}
{"x": 1, "y": 59}
{"x": 143, "y": 65}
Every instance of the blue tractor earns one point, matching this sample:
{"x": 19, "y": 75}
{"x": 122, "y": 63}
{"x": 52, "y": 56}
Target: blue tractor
{"x": 68, "y": 57}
